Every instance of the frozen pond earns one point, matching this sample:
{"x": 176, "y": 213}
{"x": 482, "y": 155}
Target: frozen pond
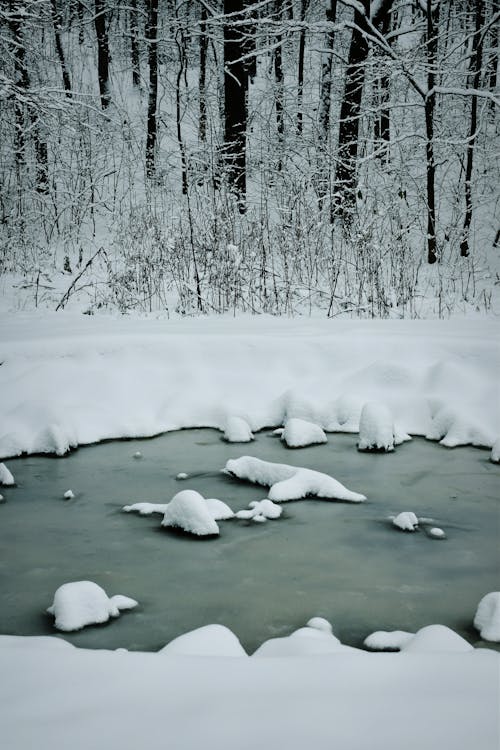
{"x": 340, "y": 561}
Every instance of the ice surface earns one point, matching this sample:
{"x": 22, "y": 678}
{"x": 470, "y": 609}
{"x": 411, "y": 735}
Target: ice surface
{"x": 210, "y": 640}
{"x": 298, "y": 433}
{"x": 376, "y": 428}
{"x": 289, "y": 482}
{"x": 82, "y": 603}
{"x": 487, "y": 618}
{"x": 383, "y": 640}
{"x": 6, "y": 477}
{"x": 188, "y": 511}
{"x": 237, "y": 430}
{"x": 407, "y": 521}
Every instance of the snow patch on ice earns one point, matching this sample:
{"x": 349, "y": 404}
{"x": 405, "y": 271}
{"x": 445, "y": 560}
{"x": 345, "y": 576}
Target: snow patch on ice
{"x": 437, "y": 533}
{"x": 487, "y": 617}
{"x": 188, "y": 511}
{"x": 69, "y": 495}
{"x": 6, "y": 477}
{"x": 298, "y": 433}
{"x": 260, "y": 510}
{"x": 406, "y": 521}
{"x": 182, "y": 475}
{"x": 145, "y": 509}
{"x": 82, "y": 603}
{"x": 237, "y": 430}
{"x": 289, "y": 482}
{"x": 210, "y": 640}
{"x": 388, "y": 640}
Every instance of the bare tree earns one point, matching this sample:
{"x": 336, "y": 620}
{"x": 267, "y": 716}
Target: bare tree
{"x": 100, "y": 21}
{"x": 152, "y": 36}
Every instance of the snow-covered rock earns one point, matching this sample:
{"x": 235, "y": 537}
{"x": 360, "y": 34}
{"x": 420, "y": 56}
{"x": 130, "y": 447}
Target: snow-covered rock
{"x": 6, "y": 477}
{"x": 388, "y": 640}
{"x": 495, "y": 452}
{"x": 219, "y": 510}
{"x": 487, "y": 617}
{"x": 210, "y": 640}
{"x": 82, "y": 603}
{"x": 436, "y": 638}
{"x": 289, "y": 482}
{"x": 137, "y": 454}
{"x": 298, "y": 433}
{"x": 437, "y": 533}
{"x": 69, "y": 495}
{"x": 260, "y": 510}
{"x": 182, "y": 475}
{"x": 407, "y": 521}
{"x": 145, "y": 509}
{"x": 319, "y": 623}
{"x": 376, "y": 428}
{"x": 237, "y": 430}
{"x": 304, "y": 642}
{"x": 188, "y": 511}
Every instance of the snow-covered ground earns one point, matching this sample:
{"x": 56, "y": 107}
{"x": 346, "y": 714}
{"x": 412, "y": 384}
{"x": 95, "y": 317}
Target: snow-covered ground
{"x": 67, "y": 380}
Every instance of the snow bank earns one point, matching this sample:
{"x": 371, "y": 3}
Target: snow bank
{"x": 237, "y": 430}
{"x": 406, "y": 521}
{"x": 68, "y": 380}
{"x": 487, "y": 618}
{"x": 289, "y": 482}
{"x": 6, "y": 477}
{"x": 298, "y": 433}
{"x": 316, "y": 638}
{"x": 188, "y": 511}
{"x": 82, "y": 603}
{"x": 383, "y": 640}
{"x": 436, "y": 638}
{"x": 260, "y": 510}
{"x": 210, "y": 640}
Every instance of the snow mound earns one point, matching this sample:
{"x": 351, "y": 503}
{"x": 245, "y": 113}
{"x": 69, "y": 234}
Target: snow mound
{"x": 388, "y": 640}
{"x": 237, "y": 430}
{"x": 437, "y": 533}
{"x": 260, "y": 510}
{"x": 34, "y": 641}
{"x": 436, "y": 638}
{"x": 84, "y": 603}
{"x": 146, "y": 509}
{"x": 182, "y": 475}
{"x": 298, "y": 433}
{"x": 487, "y": 618}
{"x": 495, "y": 452}
{"x": 376, "y": 428}
{"x": 305, "y": 642}
{"x": 451, "y": 427}
{"x": 69, "y": 495}
{"x": 210, "y": 640}
{"x": 188, "y": 511}
{"x": 137, "y": 454}
{"x": 289, "y": 482}
{"x": 6, "y": 477}
{"x": 407, "y": 521}
{"x": 219, "y": 510}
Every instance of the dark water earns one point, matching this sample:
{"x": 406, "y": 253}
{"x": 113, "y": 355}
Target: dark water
{"x": 341, "y": 561}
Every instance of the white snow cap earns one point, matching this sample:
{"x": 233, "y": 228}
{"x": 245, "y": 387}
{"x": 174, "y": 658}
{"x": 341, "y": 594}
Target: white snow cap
{"x": 260, "y": 510}
{"x": 137, "y": 454}
{"x": 145, "y": 509}
{"x": 495, "y": 452}
{"x": 376, "y": 428}
{"x": 237, "y": 430}
{"x": 383, "y": 640}
{"x": 289, "y": 482}
{"x": 82, "y": 603}
{"x": 69, "y": 495}
{"x": 6, "y": 477}
{"x": 436, "y": 638}
{"x": 437, "y": 533}
{"x": 188, "y": 511}
{"x": 298, "y": 433}
{"x": 210, "y": 640}
{"x": 319, "y": 623}
{"x": 407, "y": 521}
{"x": 217, "y": 509}
{"x": 182, "y": 475}
{"x": 487, "y": 618}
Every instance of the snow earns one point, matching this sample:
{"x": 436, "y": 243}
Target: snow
{"x": 188, "y": 511}
{"x": 146, "y": 509}
{"x": 436, "y": 639}
{"x": 406, "y": 521}
{"x": 137, "y": 454}
{"x": 495, "y": 452}
{"x": 376, "y": 428}
{"x": 315, "y": 638}
{"x": 487, "y": 618}
{"x": 319, "y": 623}
{"x": 6, "y": 477}
{"x": 298, "y": 433}
{"x": 210, "y": 640}
{"x": 260, "y": 510}
{"x": 217, "y": 509}
{"x": 65, "y": 378}
{"x": 69, "y": 495}
{"x": 237, "y": 430}
{"x": 289, "y": 482}
{"x": 182, "y": 475}
{"x": 437, "y": 533}
{"x": 393, "y": 640}
{"x": 82, "y": 603}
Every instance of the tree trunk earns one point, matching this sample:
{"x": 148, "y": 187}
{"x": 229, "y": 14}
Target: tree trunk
{"x": 279, "y": 92}
{"x": 382, "y": 130}
{"x": 300, "y": 70}
{"x": 202, "y": 93}
{"x": 152, "y": 36}
{"x": 235, "y": 101}
{"x": 476, "y": 64}
{"x": 325, "y": 97}
{"x": 102, "y": 53}
{"x": 430, "y": 102}
{"x": 134, "y": 44}
{"x": 57, "y": 23}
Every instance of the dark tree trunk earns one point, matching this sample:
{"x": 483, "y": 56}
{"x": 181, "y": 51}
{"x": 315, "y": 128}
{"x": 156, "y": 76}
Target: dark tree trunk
{"x": 279, "y": 94}
{"x": 102, "y": 52}
{"x": 430, "y": 103}
{"x": 235, "y": 100}
{"x": 57, "y": 23}
{"x": 382, "y": 116}
{"x": 134, "y": 44}
{"x": 300, "y": 69}
{"x": 350, "y": 112}
{"x": 202, "y": 94}
{"x": 152, "y": 36}
{"x": 325, "y": 97}
{"x": 81, "y": 18}
{"x": 476, "y": 64}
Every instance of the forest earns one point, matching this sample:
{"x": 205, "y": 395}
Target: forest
{"x": 249, "y": 156}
